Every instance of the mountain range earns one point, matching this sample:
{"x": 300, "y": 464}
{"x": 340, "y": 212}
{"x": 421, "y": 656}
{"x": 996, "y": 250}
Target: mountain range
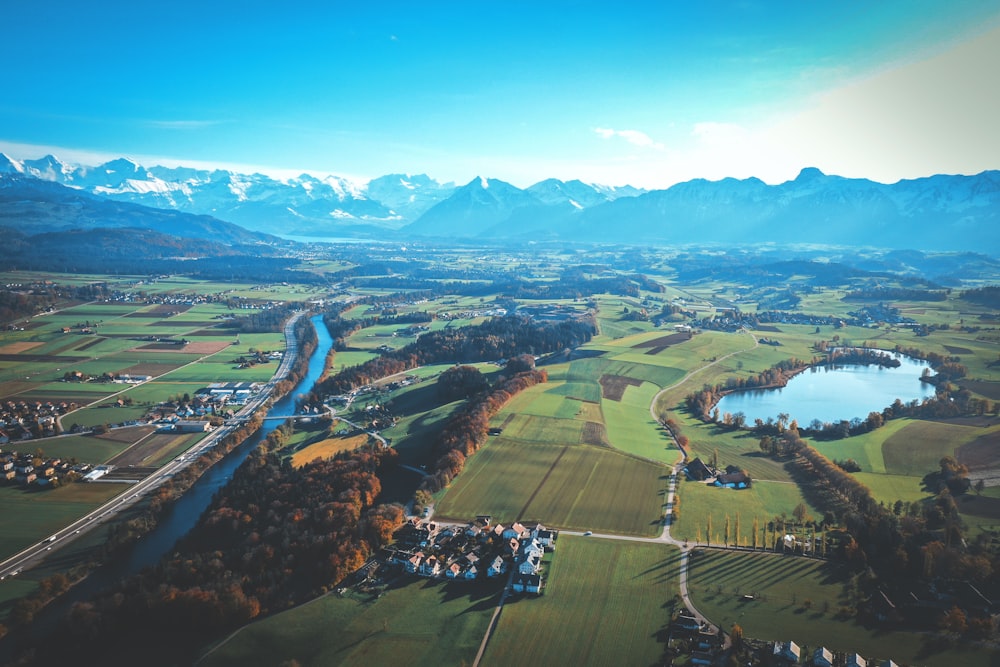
{"x": 941, "y": 212}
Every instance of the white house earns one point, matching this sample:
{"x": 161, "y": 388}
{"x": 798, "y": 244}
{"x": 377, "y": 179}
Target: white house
{"x": 822, "y": 657}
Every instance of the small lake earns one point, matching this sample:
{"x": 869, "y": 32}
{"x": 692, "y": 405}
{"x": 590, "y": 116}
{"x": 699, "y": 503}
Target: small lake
{"x": 833, "y": 393}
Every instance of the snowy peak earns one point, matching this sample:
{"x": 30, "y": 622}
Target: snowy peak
{"x": 10, "y": 166}
{"x": 577, "y": 193}
{"x": 48, "y": 168}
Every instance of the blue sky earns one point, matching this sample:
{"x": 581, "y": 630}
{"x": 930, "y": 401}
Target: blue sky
{"x": 647, "y": 93}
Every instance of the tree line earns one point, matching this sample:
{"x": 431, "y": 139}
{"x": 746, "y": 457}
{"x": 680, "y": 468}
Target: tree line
{"x": 468, "y": 428}
{"x": 497, "y": 338}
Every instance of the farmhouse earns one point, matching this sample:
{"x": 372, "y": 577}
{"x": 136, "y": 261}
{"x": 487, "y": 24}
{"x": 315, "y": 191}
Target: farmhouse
{"x": 735, "y": 480}
{"x": 698, "y": 471}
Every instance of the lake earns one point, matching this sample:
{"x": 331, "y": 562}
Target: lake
{"x": 833, "y": 393}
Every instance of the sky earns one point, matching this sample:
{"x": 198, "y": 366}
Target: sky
{"x": 641, "y": 93}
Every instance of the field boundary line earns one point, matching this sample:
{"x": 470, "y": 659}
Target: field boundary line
{"x": 542, "y": 483}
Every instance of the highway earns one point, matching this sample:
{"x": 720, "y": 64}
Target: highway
{"x": 33, "y": 554}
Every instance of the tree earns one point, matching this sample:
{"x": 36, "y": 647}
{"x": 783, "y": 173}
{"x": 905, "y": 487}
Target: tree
{"x": 954, "y": 621}
{"x": 801, "y": 513}
{"x": 520, "y": 364}
{"x": 736, "y": 635}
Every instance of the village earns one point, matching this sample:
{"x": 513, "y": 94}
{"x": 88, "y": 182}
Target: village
{"x": 475, "y": 551}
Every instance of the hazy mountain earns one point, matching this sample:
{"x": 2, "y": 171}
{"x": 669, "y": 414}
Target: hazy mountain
{"x": 407, "y": 196}
{"x": 36, "y": 206}
{"x": 937, "y": 212}
{"x": 472, "y": 209}
{"x": 578, "y": 194}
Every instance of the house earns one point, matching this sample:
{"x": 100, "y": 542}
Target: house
{"x": 454, "y": 571}
{"x": 497, "y": 567}
{"x": 430, "y": 567}
{"x": 822, "y": 657}
{"x": 697, "y": 470}
{"x": 736, "y": 480}
{"x": 545, "y": 537}
{"x": 471, "y": 573}
{"x": 855, "y": 660}
{"x": 701, "y": 658}
{"x": 788, "y": 651}
{"x": 414, "y": 562}
{"x": 516, "y": 530}
{"x": 527, "y": 583}
{"x": 888, "y": 663}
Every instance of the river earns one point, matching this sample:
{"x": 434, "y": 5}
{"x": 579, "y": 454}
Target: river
{"x": 833, "y": 393}
{"x": 186, "y": 511}
{"x": 177, "y": 521}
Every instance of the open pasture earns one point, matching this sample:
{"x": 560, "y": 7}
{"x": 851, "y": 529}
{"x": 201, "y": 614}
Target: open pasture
{"x": 29, "y": 516}
{"x": 154, "y": 449}
{"x": 632, "y": 429}
{"x": 90, "y": 448}
{"x": 800, "y": 599}
{"x": 415, "y": 622}
{"x": 548, "y": 431}
{"x": 328, "y": 447}
{"x": 763, "y": 500}
{"x": 576, "y": 487}
{"x": 918, "y": 447}
{"x": 579, "y": 621}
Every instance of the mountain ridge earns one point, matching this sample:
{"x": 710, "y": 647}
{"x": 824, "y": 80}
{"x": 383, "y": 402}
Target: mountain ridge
{"x": 941, "y": 211}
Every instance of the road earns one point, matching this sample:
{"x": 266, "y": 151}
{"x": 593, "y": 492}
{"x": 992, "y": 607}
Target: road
{"x": 36, "y": 552}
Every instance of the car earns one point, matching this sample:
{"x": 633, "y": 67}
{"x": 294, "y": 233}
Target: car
{"x": 588, "y": 533}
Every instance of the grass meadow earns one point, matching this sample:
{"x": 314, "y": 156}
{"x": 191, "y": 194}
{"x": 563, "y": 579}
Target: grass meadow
{"x": 416, "y": 622}
{"x": 799, "y": 599}
{"x": 29, "y": 516}
{"x": 701, "y": 504}
{"x": 606, "y": 602}
{"x": 577, "y": 487}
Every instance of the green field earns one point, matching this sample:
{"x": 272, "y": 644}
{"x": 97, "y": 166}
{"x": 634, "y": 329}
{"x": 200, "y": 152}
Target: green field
{"x": 574, "y": 486}
{"x": 416, "y": 622}
{"x": 799, "y": 599}
{"x": 29, "y": 516}
{"x": 763, "y": 500}
{"x": 605, "y": 603}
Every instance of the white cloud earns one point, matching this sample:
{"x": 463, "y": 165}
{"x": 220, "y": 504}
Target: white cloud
{"x": 634, "y": 137}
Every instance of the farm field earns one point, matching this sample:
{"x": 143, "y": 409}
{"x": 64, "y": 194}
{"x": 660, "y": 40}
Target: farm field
{"x": 578, "y": 487}
{"x": 576, "y": 622}
{"x": 799, "y": 599}
{"x": 29, "y": 516}
{"x": 415, "y": 622}
{"x": 328, "y": 447}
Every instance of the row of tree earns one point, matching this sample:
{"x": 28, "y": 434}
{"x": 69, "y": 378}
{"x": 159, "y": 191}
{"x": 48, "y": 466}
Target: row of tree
{"x": 497, "y": 338}
{"x": 468, "y": 427}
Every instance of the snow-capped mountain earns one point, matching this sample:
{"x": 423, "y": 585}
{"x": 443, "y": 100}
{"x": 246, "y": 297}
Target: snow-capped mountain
{"x": 306, "y": 204}
{"x": 473, "y": 208}
{"x": 936, "y": 212}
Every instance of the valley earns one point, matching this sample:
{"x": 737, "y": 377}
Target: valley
{"x": 588, "y": 446}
